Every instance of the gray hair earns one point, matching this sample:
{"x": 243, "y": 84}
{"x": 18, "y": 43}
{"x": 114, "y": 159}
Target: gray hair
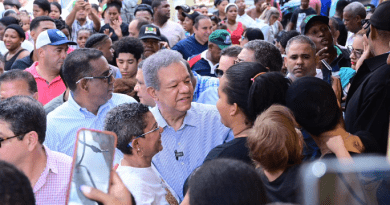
{"x": 356, "y": 9}
{"x": 267, "y": 54}
{"x": 301, "y": 39}
{"x": 155, "y": 62}
{"x": 231, "y": 51}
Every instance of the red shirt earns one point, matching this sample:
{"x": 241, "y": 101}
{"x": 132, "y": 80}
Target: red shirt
{"x": 46, "y": 91}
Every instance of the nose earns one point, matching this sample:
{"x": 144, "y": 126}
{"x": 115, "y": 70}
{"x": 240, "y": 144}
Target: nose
{"x": 185, "y": 88}
{"x": 299, "y": 61}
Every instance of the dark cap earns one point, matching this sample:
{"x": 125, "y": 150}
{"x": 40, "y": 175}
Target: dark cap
{"x": 185, "y": 8}
{"x": 18, "y": 30}
{"x": 309, "y": 20}
{"x": 380, "y": 19}
{"x": 192, "y": 15}
{"x": 149, "y": 31}
{"x": 143, "y": 7}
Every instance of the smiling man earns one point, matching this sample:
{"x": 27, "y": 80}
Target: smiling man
{"x": 191, "y": 130}
{"x": 91, "y": 84}
{"x": 51, "y": 48}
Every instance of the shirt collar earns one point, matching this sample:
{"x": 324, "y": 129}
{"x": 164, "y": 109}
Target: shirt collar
{"x": 204, "y": 56}
{"x": 189, "y": 119}
{"x": 83, "y": 111}
{"x": 35, "y": 73}
{"x": 51, "y": 162}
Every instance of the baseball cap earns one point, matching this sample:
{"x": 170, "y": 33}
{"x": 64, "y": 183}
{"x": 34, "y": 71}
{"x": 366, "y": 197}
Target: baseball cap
{"x": 53, "y": 37}
{"x": 380, "y": 19}
{"x": 185, "y": 8}
{"x": 143, "y": 7}
{"x": 192, "y": 15}
{"x": 221, "y": 37}
{"x": 149, "y": 31}
{"x": 309, "y": 20}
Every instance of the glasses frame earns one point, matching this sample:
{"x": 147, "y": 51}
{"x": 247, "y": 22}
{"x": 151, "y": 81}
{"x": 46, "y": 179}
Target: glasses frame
{"x": 108, "y": 77}
{"x": 352, "y": 50}
{"x": 7, "y": 138}
{"x": 139, "y": 136}
{"x": 218, "y": 72}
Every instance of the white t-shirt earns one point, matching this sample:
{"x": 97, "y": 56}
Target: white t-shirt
{"x": 173, "y": 31}
{"x": 144, "y": 184}
{"x": 246, "y": 20}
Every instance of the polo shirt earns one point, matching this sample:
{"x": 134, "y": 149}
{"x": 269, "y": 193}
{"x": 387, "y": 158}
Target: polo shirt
{"x": 46, "y": 91}
{"x": 200, "y": 132}
{"x": 189, "y": 47}
{"x": 23, "y": 63}
{"x": 203, "y": 66}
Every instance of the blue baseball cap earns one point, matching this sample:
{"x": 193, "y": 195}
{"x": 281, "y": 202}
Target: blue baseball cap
{"x": 53, "y": 37}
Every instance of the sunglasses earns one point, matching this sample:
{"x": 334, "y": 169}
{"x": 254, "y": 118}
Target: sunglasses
{"x": 107, "y": 78}
{"x": 218, "y": 72}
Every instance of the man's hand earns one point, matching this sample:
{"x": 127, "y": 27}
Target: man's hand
{"x": 107, "y": 32}
{"x": 87, "y": 7}
{"x": 322, "y": 55}
{"x": 116, "y": 25}
{"x": 366, "y": 53}
{"x": 80, "y": 4}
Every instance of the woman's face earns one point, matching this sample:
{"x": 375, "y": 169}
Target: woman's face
{"x": 222, "y": 103}
{"x": 273, "y": 19}
{"x": 37, "y": 11}
{"x": 222, "y": 5}
{"x": 187, "y": 24}
{"x": 232, "y": 13}
{"x": 357, "y": 51}
{"x": 150, "y": 144}
{"x": 12, "y": 39}
{"x": 112, "y": 13}
{"x": 54, "y": 12}
{"x": 243, "y": 40}
{"x": 214, "y": 26}
{"x": 82, "y": 38}
{"x": 25, "y": 20}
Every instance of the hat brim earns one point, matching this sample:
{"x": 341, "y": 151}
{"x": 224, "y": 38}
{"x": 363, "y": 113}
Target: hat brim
{"x": 322, "y": 19}
{"x": 147, "y": 36}
{"x": 63, "y": 42}
{"x": 223, "y": 46}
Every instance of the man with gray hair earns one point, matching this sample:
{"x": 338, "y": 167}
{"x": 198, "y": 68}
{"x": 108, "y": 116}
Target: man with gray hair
{"x": 191, "y": 129}
{"x": 300, "y": 57}
{"x": 353, "y": 15}
{"x": 263, "y": 52}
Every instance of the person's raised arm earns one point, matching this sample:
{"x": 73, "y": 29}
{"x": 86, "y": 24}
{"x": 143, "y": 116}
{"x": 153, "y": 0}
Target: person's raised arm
{"x": 72, "y": 15}
{"x": 94, "y": 17}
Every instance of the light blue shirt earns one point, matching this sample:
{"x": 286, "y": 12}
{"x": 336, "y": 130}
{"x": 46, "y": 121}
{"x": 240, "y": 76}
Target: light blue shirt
{"x": 209, "y": 96}
{"x": 64, "y": 122}
{"x": 202, "y": 84}
{"x": 201, "y": 131}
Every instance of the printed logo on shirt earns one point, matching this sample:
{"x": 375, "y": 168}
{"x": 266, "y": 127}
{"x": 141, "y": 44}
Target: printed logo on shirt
{"x": 150, "y": 30}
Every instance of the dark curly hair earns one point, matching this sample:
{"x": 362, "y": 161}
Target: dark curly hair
{"x": 129, "y": 45}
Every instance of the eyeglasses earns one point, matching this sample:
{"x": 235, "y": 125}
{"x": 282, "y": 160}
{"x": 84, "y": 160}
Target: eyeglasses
{"x": 7, "y": 138}
{"x": 357, "y": 53}
{"x": 130, "y": 144}
{"x": 218, "y": 72}
{"x": 108, "y": 77}
{"x": 366, "y": 26}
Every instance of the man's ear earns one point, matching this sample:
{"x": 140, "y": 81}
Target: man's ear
{"x": 41, "y": 52}
{"x": 152, "y": 92}
{"x": 32, "y": 34}
{"x": 373, "y": 33}
{"x": 233, "y": 110}
{"x": 84, "y": 85}
{"x": 36, "y": 96}
{"x": 31, "y": 138}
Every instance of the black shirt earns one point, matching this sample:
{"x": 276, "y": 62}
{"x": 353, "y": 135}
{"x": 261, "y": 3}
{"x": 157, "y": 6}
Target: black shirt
{"x": 368, "y": 100}
{"x": 23, "y": 63}
{"x": 300, "y": 14}
{"x": 234, "y": 149}
{"x": 285, "y": 188}
{"x": 114, "y": 37}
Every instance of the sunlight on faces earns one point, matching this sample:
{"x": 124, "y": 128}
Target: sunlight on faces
{"x": 246, "y": 55}
{"x": 133, "y": 31}
{"x": 127, "y": 64}
{"x": 43, "y": 26}
{"x": 12, "y": 150}
{"x": 301, "y": 60}
{"x": 225, "y": 62}
{"x": 358, "y": 47}
{"x": 176, "y": 90}
{"x": 141, "y": 90}
{"x": 204, "y": 30}
{"x": 53, "y": 56}
{"x": 12, "y": 40}
{"x": 223, "y": 106}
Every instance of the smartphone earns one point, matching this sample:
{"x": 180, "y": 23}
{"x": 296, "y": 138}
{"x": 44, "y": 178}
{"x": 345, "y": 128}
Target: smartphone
{"x": 92, "y": 163}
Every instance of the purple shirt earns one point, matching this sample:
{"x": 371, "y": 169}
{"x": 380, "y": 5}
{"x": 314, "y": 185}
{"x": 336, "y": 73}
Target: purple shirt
{"x": 52, "y": 185}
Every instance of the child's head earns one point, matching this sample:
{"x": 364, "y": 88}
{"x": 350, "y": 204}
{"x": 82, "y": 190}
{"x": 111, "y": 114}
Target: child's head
{"x": 82, "y": 36}
{"x": 25, "y": 22}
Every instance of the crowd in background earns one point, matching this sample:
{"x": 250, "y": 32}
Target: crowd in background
{"x": 223, "y": 105}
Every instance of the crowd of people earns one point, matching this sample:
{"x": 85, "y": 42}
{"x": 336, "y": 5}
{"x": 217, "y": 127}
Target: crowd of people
{"x": 221, "y": 106}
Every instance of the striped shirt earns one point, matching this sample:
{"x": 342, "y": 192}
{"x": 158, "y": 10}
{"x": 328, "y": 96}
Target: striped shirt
{"x": 201, "y": 131}
{"x": 52, "y": 185}
{"x": 202, "y": 84}
{"x": 64, "y": 122}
